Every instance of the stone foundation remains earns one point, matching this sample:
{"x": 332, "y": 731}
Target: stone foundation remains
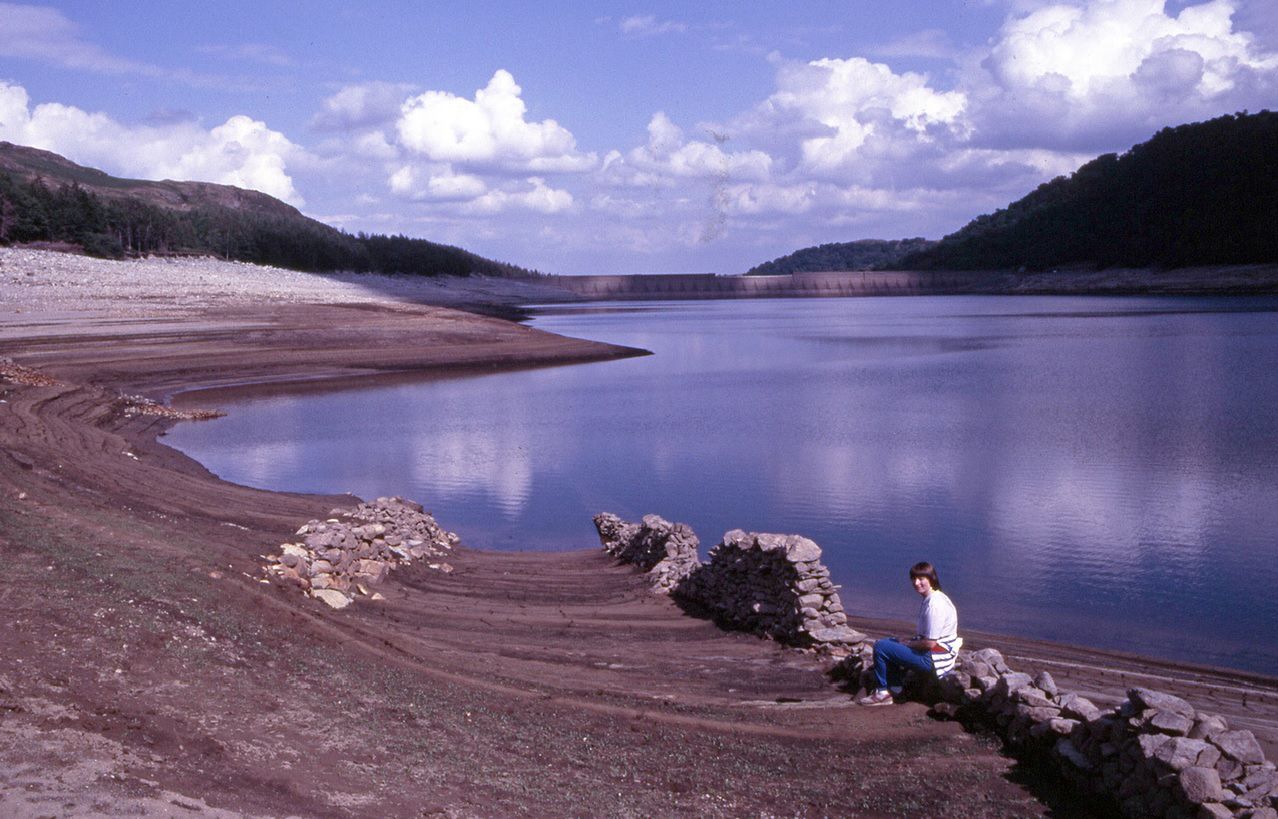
{"x": 666, "y": 551}
{"x": 772, "y": 585}
{"x": 355, "y": 549}
{"x": 1154, "y": 754}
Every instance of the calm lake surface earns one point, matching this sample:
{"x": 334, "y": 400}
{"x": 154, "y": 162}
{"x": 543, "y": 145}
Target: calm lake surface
{"x": 1100, "y": 471}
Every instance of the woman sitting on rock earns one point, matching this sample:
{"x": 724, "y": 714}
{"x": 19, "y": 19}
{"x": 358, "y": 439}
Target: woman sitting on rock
{"x": 932, "y": 650}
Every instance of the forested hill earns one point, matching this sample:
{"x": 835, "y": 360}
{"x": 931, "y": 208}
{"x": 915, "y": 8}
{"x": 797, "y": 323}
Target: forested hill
{"x": 864, "y": 254}
{"x": 47, "y": 198}
{"x": 1200, "y": 194}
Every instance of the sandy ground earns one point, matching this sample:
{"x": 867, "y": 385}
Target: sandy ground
{"x": 149, "y": 671}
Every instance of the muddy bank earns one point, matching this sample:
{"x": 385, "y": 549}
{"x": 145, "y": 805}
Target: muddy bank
{"x": 151, "y": 669}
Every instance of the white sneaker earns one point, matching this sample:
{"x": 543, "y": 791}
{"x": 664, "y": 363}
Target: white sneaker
{"x": 880, "y": 697}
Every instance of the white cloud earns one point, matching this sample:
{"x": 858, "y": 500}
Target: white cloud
{"x": 444, "y": 186}
{"x": 1088, "y": 50}
{"x": 439, "y": 183}
{"x": 855, "y": 99}
{"x": 1114, "y": 70}
{"x": 489, "y": 130}
{"x": 374, "y": 145}
{"x": 535, "y": 195}
{"x": 669, "y": 158}
{"x": 45, "y": 34}
{"x": 932, "y": 43}
{"x": 241, "y": 151}
{"x": 644, "y": 25}
{"x": 361, "y": 105}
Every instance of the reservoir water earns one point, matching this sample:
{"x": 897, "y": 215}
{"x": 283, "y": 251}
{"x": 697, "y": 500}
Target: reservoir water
{"x": 1099, "y": 471}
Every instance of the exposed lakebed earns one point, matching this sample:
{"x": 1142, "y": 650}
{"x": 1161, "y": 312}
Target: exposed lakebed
{"x": 1099, "y": 471}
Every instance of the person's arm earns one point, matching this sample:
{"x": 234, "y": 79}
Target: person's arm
{"x": 921, "y": 644}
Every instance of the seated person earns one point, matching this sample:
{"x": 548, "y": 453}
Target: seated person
{"x": 932, "y": 650}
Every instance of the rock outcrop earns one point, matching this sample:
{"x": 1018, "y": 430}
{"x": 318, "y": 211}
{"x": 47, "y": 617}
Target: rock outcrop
{"x": 355, "y": 549}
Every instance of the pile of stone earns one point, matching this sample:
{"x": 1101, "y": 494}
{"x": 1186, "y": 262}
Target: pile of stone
{"x": 1154, "y": 754}
{"x": 768, "y": 584}
{"x": 666, "y": 551}
{"x": 355, "y": 549}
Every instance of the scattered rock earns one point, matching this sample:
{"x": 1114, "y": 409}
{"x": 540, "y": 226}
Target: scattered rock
{"x": 26, "y": 376}
{"x": 334, "y": 599}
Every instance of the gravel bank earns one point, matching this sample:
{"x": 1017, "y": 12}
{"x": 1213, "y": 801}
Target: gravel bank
{"x": 47, "y": 282}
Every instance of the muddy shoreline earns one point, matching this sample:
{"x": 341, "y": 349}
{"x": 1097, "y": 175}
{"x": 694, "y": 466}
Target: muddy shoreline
{"x": 151, "y": 669}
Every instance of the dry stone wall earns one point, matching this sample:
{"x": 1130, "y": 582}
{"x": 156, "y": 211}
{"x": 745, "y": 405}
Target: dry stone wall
{"x": 666, "y": 551}
{"x": 1154, "y": 754}
{"x": 774, "y": 585}
{"x": 355, "y": 549}
{"x": 768, "y": 584}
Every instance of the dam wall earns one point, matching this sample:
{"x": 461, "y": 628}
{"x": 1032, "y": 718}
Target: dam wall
{"x": 827, "y": 284}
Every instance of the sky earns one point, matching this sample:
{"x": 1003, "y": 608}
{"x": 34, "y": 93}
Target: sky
{"x": 618, "y": 137}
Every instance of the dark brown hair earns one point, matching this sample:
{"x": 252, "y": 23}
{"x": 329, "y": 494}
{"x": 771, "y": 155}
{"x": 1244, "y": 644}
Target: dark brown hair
{"x": 927, "y": 570}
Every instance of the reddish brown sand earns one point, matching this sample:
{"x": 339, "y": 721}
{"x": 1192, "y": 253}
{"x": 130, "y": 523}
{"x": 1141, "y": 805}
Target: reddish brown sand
{"x": 149, "y": 671}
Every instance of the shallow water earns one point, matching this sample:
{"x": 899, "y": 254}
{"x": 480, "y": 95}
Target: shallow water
{"x": 1101, "y": 471}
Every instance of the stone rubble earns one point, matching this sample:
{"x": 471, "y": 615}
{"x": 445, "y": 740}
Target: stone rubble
{"x": 141, "y": 405}
{"x": 355, "y": 549}
{"x": 1154, "y": 754}
{"x": 768, "y": 584}
{"x": 26, "y": 376}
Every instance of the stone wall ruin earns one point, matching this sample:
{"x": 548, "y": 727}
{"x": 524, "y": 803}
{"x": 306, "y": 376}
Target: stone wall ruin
{"x": 1152, "y": 755}
{"x": 768, "y": 584}
{"x": 666, "y": 551}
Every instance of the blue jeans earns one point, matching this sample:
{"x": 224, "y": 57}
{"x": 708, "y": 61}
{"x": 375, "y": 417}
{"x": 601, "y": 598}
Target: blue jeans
{"x": 892, "y": 659}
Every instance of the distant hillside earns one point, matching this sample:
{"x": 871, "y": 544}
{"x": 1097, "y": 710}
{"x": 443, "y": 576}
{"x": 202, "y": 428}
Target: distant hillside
{"x": 1200, "y": 194}
{"x": 864, "y": 254}
{"x": 46, "y": 197}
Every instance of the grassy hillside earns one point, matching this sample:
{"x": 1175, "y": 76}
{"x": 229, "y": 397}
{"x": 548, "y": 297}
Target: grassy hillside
{"x": 46, "y": 197}
{"x": 1199, "y": 194}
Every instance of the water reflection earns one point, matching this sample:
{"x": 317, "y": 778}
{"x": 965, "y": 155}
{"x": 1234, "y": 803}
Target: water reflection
{"x": 1092, "y": 470}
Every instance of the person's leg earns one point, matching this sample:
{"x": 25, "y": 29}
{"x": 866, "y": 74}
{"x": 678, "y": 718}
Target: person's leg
{"x": 892, "y": 658}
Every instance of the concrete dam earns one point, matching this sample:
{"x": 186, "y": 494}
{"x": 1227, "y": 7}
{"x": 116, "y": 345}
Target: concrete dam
{"x": 713, "y": 286}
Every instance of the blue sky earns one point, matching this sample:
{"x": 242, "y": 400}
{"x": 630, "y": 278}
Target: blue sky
{"x": 581, "y": 137}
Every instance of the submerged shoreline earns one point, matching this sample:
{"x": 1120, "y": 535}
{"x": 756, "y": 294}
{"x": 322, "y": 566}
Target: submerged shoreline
{"x": 152, "y": 667}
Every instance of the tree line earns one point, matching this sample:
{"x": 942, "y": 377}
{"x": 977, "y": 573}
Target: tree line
{"x": 863, "y": 254}
{"x": 1198, "y": 194}
{"x": 39, "y": 211}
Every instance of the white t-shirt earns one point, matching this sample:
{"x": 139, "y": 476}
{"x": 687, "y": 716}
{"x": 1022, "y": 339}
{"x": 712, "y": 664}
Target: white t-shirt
{"x": 938, "y": 618}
